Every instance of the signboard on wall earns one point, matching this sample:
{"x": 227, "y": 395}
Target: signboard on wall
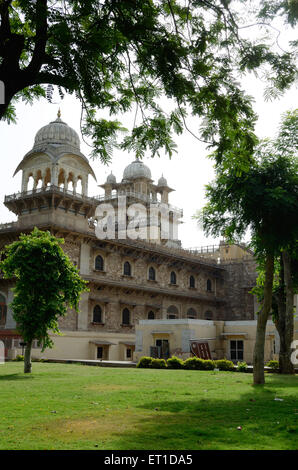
{"x": 200, "y": 349}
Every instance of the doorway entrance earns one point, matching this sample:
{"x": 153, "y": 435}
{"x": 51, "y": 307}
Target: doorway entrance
{"x": 163, "y": 348}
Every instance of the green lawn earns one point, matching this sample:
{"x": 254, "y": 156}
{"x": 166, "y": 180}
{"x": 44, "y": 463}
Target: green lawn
{"x": 63, "y": 406}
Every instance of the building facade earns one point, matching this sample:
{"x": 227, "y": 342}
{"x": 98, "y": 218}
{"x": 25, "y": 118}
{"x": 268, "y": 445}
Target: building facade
{"x": 145, "y": 289}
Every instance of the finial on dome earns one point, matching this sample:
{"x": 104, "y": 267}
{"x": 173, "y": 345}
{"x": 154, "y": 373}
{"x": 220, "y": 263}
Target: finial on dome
{"x": 59, "y": 113}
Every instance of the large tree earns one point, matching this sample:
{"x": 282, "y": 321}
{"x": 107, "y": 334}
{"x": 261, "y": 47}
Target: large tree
{"x": 46, "y": 285}
{"x": 264, "y": 199}
{"x": 285, "y": 286}
{"x": 124, "y": 55}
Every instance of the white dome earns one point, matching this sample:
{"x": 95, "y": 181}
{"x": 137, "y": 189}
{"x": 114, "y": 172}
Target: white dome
{"x": 111, "y": 179}
{"x": 57, "y": 132}
{"x": 136, "y": 169}
{"x": 162, "y": 181}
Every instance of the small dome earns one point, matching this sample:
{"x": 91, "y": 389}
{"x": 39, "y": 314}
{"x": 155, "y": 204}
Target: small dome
{"x": 57, "y": 132}
{"x": 111, "y": 179}
{"x": 162, "y": 181}
{"x": 136, "y": 169}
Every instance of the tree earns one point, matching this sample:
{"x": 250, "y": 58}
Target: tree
{"x": 285, "y": 285}
{"x": 264, "y": 199}
{"x": 47, "y": 283}
{"x": 115, "y": 55}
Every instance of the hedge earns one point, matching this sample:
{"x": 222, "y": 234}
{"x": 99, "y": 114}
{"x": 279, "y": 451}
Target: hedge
{"x": 192, "y": 363}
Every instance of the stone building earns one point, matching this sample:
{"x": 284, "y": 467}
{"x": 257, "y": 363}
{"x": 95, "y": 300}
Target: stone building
{"x": 145, "y": 289}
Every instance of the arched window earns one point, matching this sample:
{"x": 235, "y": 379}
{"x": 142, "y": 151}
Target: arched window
{"x": 125, "y": 317}
{"x": 97, "y": 314}
{"x": 209, "y": 285}
{"x": 151, "y": 315}
{"x": 151, "y": 274}
{"x": 172, "y": 312}
{"x": 99, "y": 263}
{"x": 208, "y": 315}
{"x": 173, "y": 278}
{"x": 127, "y": 269}
{"x": 2, "y": 310}
{"x": 191, "y": 313}
{"x": 191, "y": 281}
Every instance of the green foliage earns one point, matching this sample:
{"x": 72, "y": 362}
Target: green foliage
{"x": 263, "y": 198}
{"x": 175, "y": 363}
{"x": 46, "y": 284}
{"x": 241, "y": 366}
{"x": 192, "y": 363}
{"x": 224, "y": 364}
{"x": 124, "y": 56}
{"x": 196, "y": 363}
{"x": 19, "y": 358}
{"x": 144, "y": 362}
{"x": 208, "y": 364}
{"x": 273, "y": 365}
{"x": 158, "y": 364}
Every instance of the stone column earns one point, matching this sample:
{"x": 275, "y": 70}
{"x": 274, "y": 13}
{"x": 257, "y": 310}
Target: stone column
{"x": 24, "y": 182}
{"x": 75, "y": 182}
{"x": 85, "y": 259}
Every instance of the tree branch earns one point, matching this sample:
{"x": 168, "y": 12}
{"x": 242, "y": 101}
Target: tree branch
{"x": 40, "y": 37}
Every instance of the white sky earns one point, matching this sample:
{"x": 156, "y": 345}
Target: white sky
{"x": 187, "y": 172}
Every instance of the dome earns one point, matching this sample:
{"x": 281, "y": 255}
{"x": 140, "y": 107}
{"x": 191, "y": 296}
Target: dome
{"x": 57, "y": 132}
{"x": 111, "y": 179}
{"x": 136, "y": 169}
{"x": 162, "y": 181}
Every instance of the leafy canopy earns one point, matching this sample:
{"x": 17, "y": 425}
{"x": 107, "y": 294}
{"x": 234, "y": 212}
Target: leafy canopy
{"x": 123, "y": 56}
{"x": 46, "y": 284}
{"x": 264, "y": 198}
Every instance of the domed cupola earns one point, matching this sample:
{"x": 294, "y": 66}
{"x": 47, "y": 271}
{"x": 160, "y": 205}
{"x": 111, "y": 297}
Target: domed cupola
{"x": 56, "y": 133}
{"x": 136, "y": 169}
{"x": 162, "y": 182}
{"x": 111, "y": 179}
{"x": 56, "y": 159}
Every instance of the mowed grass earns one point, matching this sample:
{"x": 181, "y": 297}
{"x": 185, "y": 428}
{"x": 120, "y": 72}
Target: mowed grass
{"x": 63, "y": 406}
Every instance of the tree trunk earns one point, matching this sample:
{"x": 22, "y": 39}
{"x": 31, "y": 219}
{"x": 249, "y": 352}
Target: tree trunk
{"x": 27, "y": 358}
{"x": 281, "y": 311}
{"x": 285, "y": 364}
{"x": 258, "y": 360}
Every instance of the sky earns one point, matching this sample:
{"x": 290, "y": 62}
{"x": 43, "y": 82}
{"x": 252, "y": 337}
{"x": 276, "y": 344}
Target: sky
{"x": 187, "y": 172}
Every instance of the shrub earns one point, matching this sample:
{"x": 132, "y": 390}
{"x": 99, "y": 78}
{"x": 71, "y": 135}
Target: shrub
{"x": 273, "y": 365}
{"x": 175, "y": 363}
{"x": 208, "y": 364}
{"x": 19, "y": 358}
{"x": 192, "y": 363}
{"x": 158, "y": 364}
{"x": 196, "y": 363}
{"x": 224, "y": 364}
{"x": 145, "y": 362}
{"x": 241, "y": 366}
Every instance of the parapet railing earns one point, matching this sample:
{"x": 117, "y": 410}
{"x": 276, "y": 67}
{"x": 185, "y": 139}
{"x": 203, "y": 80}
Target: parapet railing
{"x": 47, "y": 189}
{"x": 141, "y": 196}
{"x": 52, "y": 187}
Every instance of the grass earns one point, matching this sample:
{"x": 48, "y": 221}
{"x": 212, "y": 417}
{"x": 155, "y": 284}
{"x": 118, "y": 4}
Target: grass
{"x": 63, "y": 406}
